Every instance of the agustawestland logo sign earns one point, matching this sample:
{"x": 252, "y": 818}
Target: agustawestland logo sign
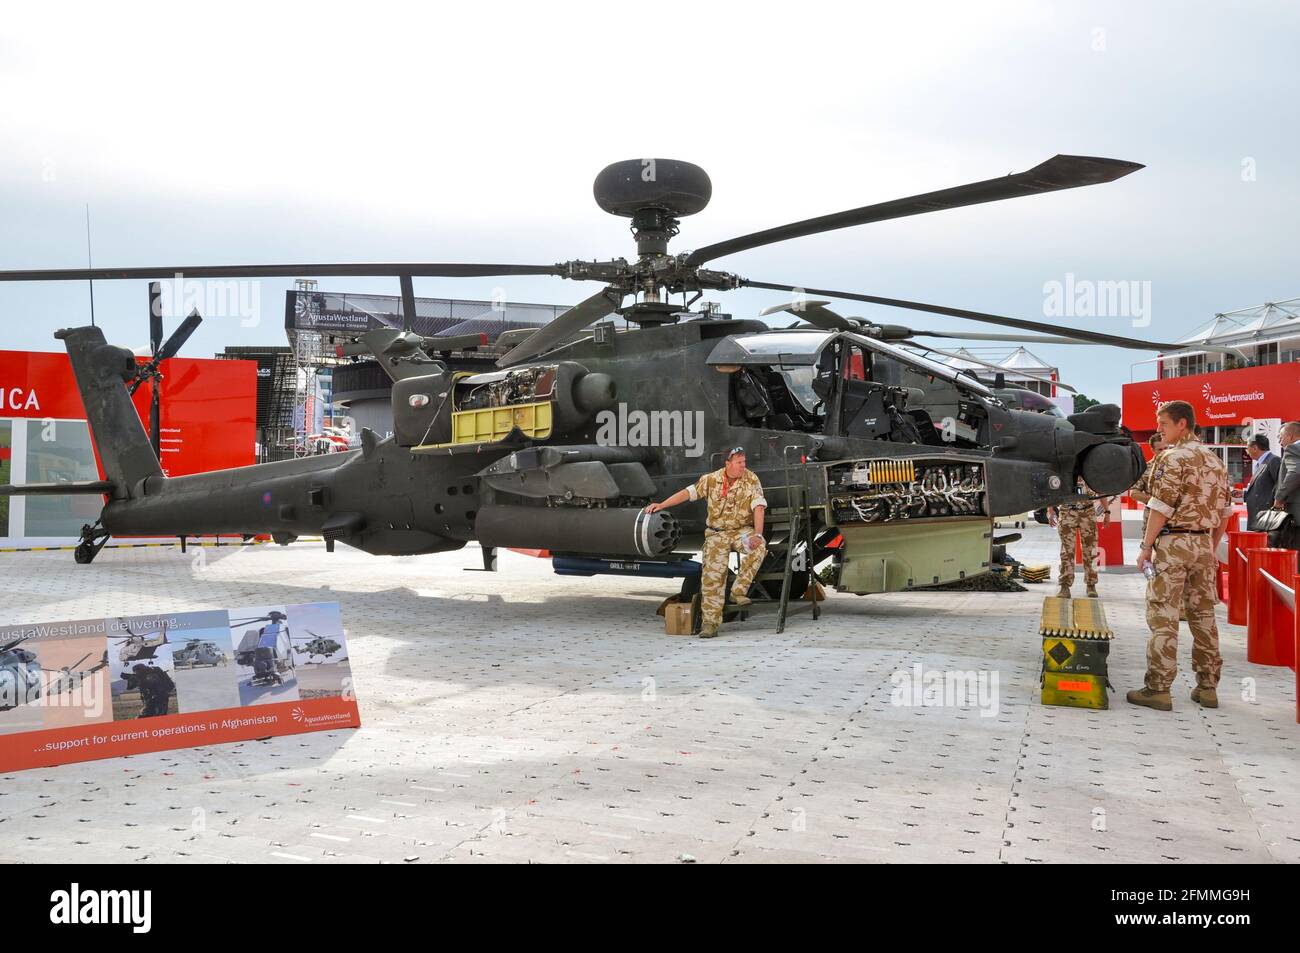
{"x": 300, "y": 716}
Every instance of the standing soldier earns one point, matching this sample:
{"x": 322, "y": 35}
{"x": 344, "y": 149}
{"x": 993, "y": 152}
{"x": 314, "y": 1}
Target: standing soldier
{"x": 734, "y": 522}
{"x": 1071, "y": 518}
{"x": 1190, "y": 505}
{"x": 1141, "y": 490}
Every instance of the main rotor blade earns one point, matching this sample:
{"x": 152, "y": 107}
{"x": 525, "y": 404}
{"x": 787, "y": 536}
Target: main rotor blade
{"x": 330, "y": 270}
{"x": 1057, "y": 173}
{"x": 1093, "y": 337}
{"x": 155, "y": 318}
{"x": 1014, "y": 338}
{"x": 182, "y": 334}
{"x": 815, "y": 313}
{"x": 575, "y": 319}
{"x": 997, "y": 367}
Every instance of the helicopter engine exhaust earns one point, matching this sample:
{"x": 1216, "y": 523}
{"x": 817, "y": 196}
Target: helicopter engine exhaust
{"x": 603, "y": 532}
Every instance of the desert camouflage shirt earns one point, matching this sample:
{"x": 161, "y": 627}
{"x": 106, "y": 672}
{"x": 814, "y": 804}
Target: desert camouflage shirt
{"x": 1189, "y": 485}
{"x": 1082, "y": 503}
{"x": 731, "y": 505}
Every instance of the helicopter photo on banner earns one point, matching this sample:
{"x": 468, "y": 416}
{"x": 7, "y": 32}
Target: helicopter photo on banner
{"x": 99, "y": 688}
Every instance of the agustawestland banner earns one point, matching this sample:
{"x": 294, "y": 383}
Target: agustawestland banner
{"x": 208, "y": 422}
{"x": 101, "y": 688}
{"x": 1220, "y": 399}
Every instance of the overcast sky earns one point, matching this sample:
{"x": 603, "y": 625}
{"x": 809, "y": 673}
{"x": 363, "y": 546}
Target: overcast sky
{"x": 247, "y": 133}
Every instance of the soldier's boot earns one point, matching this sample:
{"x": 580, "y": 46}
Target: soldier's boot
{"x": 740, "y": 599}
{"x": 708, "y": 631}
{"x": 1205, "y": 697}
{"x": 1063, "y": 592}
{"x": 1092, "y": 592}
{"x": 1145, "y": 697}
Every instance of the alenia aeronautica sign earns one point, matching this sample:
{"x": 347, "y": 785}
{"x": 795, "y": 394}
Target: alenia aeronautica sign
{"x": 1222, "y": 398}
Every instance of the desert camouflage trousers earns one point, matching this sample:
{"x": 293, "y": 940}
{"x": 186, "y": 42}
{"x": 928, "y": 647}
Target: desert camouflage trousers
{"x": 1185, "y": 568}
{"x": 1081, "y": 520}
{"x": 715, "y": 559}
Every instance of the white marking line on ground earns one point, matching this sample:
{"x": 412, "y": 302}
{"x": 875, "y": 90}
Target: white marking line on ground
{"x": 276, "y": 853}
{"x": 421, "y": 787}
{"x": 330, "y": 837}
{"x": 578, "y": 853}
{"x": 400, "y": 803}
{"x": 462, "y": 777}
{"x": 612, "y": 834}
{"x": 368, "y": 820}
{"x": 631, "y": 817}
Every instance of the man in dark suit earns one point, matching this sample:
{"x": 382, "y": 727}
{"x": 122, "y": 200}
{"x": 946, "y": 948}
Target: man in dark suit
{"x": 1263, "y": 476}
{"x": 1287, "y": 494}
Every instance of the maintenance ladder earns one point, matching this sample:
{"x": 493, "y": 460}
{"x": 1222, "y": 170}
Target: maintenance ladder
{"x": 790, "y": 538}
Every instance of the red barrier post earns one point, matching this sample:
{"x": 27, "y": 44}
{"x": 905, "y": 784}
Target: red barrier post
{"x": 1295, "y": 584}
{"x": 1270, "y": 623}
{"x": 1238, "y": 542}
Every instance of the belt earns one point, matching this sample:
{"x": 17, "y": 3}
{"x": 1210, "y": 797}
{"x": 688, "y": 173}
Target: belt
{"x": 719, "y": 529}
{"x": 1166, "y": 531}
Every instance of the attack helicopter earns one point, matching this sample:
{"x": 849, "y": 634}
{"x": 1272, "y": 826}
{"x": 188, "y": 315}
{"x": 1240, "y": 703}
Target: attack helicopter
{"x": 267, "y": 650}
{"x": 897, "y": 462}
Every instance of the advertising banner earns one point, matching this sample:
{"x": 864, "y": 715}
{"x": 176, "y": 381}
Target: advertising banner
{"x": 208, "y": 410}
{"x": 101, "y": 688}
{"x": 1222, "y": 398}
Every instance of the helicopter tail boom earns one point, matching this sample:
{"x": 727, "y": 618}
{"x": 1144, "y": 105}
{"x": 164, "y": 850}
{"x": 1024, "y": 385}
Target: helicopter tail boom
{"x": 101, "y": 371}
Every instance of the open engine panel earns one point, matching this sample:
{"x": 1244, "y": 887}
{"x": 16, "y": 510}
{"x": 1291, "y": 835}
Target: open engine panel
{"x": 506, "y": 388}
{"x": 894, "y": 490}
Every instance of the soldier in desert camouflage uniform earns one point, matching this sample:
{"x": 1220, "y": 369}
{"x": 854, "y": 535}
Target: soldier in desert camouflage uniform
{"x": 736, "y": 508}
{"x": 1081, "y": 518}
{"x": 1141, "y": 490}
{"x": 1189, "y": 508}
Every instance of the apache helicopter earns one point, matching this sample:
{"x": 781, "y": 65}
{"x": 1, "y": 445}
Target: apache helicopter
{"x": 267, "y": 650}
{"x": 899, "y": 462}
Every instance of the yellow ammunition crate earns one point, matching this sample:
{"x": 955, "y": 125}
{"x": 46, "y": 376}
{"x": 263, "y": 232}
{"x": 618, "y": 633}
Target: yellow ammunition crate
{"x": 1076, "y": 656}
{"x": 1074, "y": 690}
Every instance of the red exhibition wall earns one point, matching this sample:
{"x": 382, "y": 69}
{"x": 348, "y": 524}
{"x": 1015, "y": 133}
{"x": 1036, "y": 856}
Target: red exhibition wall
{"x": 1220, "y": 399}
{"x": 209, "y": 407}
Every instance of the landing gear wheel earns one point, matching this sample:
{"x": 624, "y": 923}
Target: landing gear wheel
{"x": 85, "y": 553}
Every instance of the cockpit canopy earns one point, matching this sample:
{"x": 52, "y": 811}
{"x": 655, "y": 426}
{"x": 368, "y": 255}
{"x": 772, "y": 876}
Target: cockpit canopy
{"x": 804, "y": 348}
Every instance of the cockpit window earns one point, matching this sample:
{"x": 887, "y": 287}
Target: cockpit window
{"x": 799, "y": 380}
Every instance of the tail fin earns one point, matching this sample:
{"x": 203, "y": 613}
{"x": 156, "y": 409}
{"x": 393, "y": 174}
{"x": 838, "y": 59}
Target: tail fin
{"x": 101, "y": 370}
